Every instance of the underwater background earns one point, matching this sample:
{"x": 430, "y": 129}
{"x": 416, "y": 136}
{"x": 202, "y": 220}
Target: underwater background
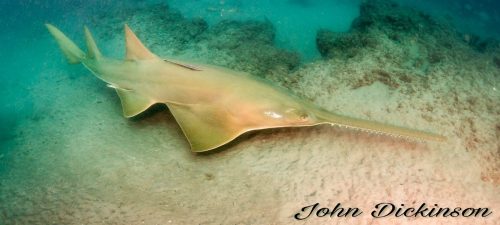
{"x": 67, "y": 155}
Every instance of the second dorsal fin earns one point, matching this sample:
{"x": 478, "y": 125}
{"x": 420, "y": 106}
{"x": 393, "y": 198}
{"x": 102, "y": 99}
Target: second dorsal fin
{"x": 135, "y": 49}
{"x": 92, "y": 50}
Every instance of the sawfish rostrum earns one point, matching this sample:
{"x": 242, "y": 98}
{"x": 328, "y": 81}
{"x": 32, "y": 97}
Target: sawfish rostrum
{"x": 213, "y": 105}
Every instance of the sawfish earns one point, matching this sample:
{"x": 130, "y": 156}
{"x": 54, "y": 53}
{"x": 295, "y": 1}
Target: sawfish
{"x": 212, "y": 105}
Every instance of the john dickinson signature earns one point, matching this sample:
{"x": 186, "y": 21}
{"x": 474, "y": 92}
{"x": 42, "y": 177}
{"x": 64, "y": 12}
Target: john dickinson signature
{"x": 382, "y": 210}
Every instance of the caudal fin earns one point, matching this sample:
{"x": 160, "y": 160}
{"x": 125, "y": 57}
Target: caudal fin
{"x": 71, "y": 51}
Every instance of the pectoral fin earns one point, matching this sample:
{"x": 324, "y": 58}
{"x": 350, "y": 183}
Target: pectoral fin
{"x": 133, "y": 103}
{"x": 204, "y": 127}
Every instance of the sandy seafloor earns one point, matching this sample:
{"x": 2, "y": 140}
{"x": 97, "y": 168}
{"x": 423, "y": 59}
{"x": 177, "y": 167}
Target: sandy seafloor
{"x": 73, "y": 159}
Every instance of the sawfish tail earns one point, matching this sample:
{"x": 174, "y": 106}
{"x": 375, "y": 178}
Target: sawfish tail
{"x": 376, "y": 127}
{"x": 71, "y": 51}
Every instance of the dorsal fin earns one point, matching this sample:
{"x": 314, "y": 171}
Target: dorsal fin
{"x": 135, "y": 49}
{"x": 92, "y": 50}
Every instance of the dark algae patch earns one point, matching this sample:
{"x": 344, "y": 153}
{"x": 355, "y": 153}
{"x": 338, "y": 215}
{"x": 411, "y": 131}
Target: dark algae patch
{"x": 334, "y": 44}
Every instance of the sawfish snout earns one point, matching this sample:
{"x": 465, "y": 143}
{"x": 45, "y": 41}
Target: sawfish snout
{"x": 325, "y": 117}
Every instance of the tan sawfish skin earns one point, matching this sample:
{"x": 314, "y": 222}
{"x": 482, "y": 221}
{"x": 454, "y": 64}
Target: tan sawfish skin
{"x": 212, "y": 105}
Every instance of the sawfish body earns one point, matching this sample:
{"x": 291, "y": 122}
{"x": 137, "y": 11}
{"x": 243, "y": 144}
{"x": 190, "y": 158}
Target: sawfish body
{"x": 212, "y": 105}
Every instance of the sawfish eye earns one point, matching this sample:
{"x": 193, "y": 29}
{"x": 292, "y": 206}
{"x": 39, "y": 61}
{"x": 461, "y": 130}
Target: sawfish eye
{"x": 298, "y": 114}
{"x": 304, "y": 116}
